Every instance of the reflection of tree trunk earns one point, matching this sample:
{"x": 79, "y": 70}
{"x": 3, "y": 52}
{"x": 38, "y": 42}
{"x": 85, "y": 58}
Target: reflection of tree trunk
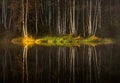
{"x": 90, "y": 62}
{"x": 25, "y": 63}
{"x": 36, "y": 69}
{"x": 72, "y": 63}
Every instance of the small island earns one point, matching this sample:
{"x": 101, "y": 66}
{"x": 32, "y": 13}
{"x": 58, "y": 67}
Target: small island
{"x": 66, "y": 40}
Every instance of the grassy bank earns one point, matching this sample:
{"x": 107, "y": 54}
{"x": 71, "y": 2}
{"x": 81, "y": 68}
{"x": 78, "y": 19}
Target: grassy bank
{"x": 66, "y": 40}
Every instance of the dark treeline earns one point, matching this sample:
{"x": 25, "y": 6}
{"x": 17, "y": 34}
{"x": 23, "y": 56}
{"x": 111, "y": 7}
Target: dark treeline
{"x": 47, "y": 15}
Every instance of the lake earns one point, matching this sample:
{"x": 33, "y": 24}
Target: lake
{"x": 41, "y": 64}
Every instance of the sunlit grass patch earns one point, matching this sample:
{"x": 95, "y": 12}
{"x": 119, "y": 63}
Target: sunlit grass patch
{"x": 57, "y": 41}
{"x": 62, "y": 41}
{"x": 24, "y": 41}
{"x": 94, "y": 40}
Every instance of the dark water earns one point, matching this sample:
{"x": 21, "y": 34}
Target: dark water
{"x": 38, "y": 64}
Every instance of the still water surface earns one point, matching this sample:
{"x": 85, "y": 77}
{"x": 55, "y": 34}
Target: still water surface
{"x": 39, "y": 64}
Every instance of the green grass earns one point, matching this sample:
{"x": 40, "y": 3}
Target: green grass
{"x": 66, "y": 40}
{"x": 71, "y": 41}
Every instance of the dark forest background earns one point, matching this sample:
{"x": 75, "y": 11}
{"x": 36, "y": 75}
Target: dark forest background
{"x": 110, "y": 17}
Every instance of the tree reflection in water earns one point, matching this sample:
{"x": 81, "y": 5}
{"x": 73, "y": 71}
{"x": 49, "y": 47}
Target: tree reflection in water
{"x": 53, "y": 64}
